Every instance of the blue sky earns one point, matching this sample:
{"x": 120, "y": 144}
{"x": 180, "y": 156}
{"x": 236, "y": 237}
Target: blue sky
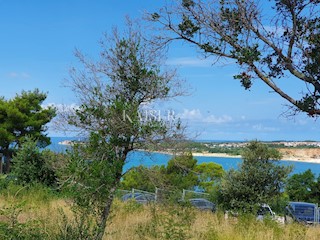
{"x": 38, "y": 39}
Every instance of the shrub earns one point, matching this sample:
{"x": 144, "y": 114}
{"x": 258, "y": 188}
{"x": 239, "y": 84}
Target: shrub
{"x": 31, "y": 165}
{"x": 11, "y": 228}
{"x": 259, "y": 179}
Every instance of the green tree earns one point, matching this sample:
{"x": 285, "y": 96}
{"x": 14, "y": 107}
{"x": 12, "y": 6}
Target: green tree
{"x": 269, "y": 41}
{"x": 23, "y": 116}
{"x": 112, "y": 91}
{"x": 143, "y": 178}
{"x": 30, "y": 165}
{"x": 209, "y": 175}
{"x": 180, "y": 172}
{"x": 259, "y": 179}
{"x": 315, "y": 192}
{"x": 300, "y": 186}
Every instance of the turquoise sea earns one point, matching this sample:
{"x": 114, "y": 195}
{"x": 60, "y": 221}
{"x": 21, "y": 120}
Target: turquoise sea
{"x": 137, "y": 158}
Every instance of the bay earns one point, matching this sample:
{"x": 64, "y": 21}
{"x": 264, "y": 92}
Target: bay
{"x": 137, "y": 158}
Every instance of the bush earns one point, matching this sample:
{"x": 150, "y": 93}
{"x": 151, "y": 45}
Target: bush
{"x": 259, "y": 179}
{"x": 31, "y": 165}
{"x": 80, "y": 227}
{"x": 11, "y": 228}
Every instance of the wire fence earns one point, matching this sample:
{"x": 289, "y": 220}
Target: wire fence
{"x": 187, "y": 194}
{"x": 161, "y": 195}
{"x": 164, "y": 196}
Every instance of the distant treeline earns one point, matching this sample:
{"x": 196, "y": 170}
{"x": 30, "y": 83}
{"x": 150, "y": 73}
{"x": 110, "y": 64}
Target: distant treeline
{"x": 232, "y": 148}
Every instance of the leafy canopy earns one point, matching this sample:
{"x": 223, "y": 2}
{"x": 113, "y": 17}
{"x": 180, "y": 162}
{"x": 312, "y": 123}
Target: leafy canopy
{"x": 259, "y": 179}
{"x": 181, "y": 172}
{"x": 30, "y": 165}
{"x": 269, "y": 41}
{"x": 24, "y": 116}
{"x": 111, "y": 92}
{"x": 303, "y": 187}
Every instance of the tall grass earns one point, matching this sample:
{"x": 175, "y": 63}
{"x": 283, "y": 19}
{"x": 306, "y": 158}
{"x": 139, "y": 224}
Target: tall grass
{"x": 38, "y": 213}
{"x": 173, "y": 222}
{"x": 30, "y": 212}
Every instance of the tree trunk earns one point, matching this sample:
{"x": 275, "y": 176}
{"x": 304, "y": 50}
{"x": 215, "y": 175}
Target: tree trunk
{"x": 106, "y": 210}
{"x": 7, "y": 162}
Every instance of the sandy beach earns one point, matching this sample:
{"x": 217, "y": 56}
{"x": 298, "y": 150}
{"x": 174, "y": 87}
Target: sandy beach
{"x": 215, "y": 155}
{"x": 289, "y": 154}
{"x": 286, "y": 157}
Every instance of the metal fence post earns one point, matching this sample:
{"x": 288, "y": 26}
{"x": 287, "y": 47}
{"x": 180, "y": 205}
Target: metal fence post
{"x": 316, "y": 213}
{"x": 1, "y": 164}
{"x": 156, "y": 195}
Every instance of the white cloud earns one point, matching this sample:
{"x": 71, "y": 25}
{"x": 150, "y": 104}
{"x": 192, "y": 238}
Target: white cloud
{"x": 193, "y": 114}
{"x": 217, "y": 120}
{"x": 62, "y": 107}
{"x": 199, "y": 62}
{"x": 196, "y": 115}
{"x": 190, "y": 62}
{"x": 261, "y": 128}
{"x": 22, "y": 75}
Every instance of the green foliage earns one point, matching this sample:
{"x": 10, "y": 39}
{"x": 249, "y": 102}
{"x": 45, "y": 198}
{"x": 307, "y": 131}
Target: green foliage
{"x": 80, "y": 227}
{"x": 303, "y": 187}
{"x": 308, "y": 104}
{"x": 247, "y": 55}
{"x": 142, "y": 178}
{"x": 11, "y": 228}
{"x": 279, "y": 204}
{"x": 180, "y": 172}
{"x": 209, "y": 175}
{"x": 227, "y": 150}
{"x": 17, "y": 200}
{"x": 188, "y": 3}
{"x": 235, "y": 30}
{"x": 259, "y": 179}
{"x": 17, "y": 223}
{"x": 200, "y": 147}
{"x": 245, "y": 79}
{"x": 187, "y": 27}
{"x": 33, "y": 195}
{"x": 112, "y": 91}
{"x": 30, "y": 165}
{"x": 90, "y": 177}
{"x": 24, "y": 116}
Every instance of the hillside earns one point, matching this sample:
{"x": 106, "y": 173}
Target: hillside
{"x": 302, "y": 154}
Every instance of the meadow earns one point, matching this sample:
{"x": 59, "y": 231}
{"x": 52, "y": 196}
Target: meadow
{"x": 39, "y": 213}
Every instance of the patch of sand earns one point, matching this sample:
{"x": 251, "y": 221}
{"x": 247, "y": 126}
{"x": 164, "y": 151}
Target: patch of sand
{"x": 301, "y": 154}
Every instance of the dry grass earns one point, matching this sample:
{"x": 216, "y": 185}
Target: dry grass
{"x": 125, "y": 225}
{"x": 130, "y": 221}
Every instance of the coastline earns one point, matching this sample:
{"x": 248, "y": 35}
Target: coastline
{"x": 301, "y": 159}
{"x": 284, "y": 158}
{"x": 225, "y": 155}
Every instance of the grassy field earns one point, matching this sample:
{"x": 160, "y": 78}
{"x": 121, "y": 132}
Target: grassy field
{"x": 40, "y": 214}
{"x": 163, "y": 222}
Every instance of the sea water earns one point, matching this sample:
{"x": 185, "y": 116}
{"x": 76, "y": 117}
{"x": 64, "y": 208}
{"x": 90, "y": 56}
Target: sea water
{"x": 137, "y": 158}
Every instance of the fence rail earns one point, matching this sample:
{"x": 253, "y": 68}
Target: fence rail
{"x": 161, "y": 195}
